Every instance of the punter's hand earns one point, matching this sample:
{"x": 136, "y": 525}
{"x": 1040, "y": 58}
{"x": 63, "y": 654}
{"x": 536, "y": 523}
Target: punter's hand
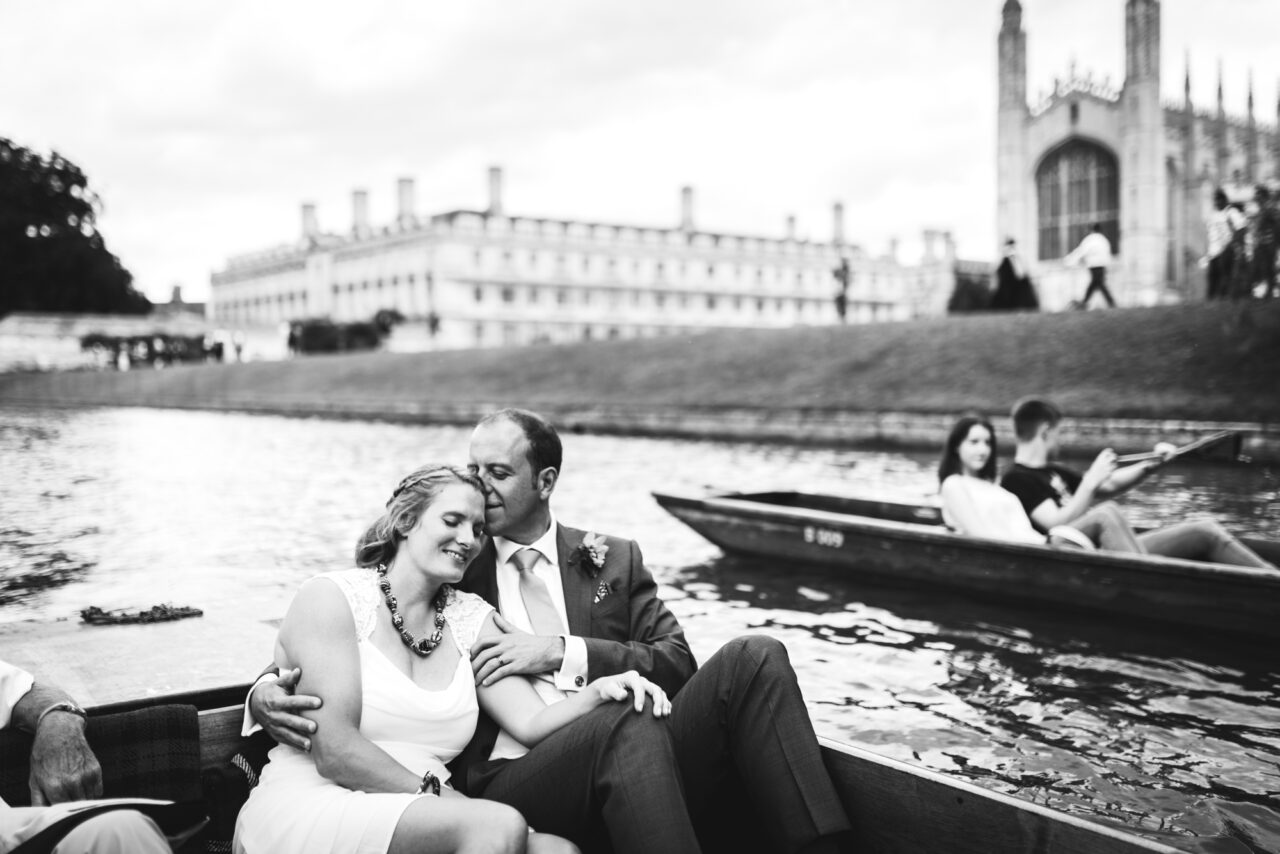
{"x": 631, "y": 684}
{"x": 514, "y": 651}
{"x": 1102, "y": 467}
{"x": 279, "y": 710}
{"x": 63, "y": 768}
{"x": 1166, "y": 451}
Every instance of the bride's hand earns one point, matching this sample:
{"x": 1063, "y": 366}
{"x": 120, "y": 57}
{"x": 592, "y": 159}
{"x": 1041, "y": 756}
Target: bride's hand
{"x": 616, "y": 688}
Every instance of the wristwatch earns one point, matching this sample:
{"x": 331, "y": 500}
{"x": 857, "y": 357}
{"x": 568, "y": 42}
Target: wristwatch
{"x": 62, "y": 706}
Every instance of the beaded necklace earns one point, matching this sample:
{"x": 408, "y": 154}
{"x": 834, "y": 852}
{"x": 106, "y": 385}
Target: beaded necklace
{"x": 424, "y": 646}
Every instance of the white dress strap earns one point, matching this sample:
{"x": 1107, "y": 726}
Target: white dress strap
{"x": 360, "y": 586}
{"x": 466, "y": 613}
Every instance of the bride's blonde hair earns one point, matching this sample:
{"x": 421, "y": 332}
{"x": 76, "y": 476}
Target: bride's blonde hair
{"x": 380, "y": 542}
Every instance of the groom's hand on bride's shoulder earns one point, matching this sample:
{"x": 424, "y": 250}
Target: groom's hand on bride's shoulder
{"x": 512, "y": 651}
{"x": 279, "y": 710}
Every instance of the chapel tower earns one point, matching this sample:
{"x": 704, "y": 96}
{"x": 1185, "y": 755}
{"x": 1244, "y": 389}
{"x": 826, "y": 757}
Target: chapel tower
{"x": 1147, "y": 249}
{"x": 1012, "y": 205}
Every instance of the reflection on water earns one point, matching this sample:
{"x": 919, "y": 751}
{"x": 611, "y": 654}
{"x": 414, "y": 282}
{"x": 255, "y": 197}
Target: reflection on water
{"x": 1176, "y": 735}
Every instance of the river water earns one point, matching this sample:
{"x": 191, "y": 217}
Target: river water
{"x": 1177, "y": 736}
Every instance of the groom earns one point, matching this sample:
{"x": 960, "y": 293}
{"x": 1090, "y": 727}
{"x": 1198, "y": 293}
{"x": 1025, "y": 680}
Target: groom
{"x": 577, "y": 606}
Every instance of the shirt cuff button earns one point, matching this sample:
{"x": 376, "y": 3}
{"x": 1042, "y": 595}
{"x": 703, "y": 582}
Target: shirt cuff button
{"x": 579, "y": 681}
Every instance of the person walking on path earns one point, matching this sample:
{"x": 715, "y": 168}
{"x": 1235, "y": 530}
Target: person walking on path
{"x": 1014, "y": 291}
{"x": 1095, "y": 252}
{"x": 1266, "y": 240}
{"x": 1224, "y": 225}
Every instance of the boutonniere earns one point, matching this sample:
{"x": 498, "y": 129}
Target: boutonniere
{"x": 590, "y": 555}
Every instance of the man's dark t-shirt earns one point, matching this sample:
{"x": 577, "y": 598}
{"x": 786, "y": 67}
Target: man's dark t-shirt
{"x": 1034, "y": 486}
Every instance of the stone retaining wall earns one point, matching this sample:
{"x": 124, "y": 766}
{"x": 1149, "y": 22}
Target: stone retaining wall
{"x": 1260, "y": 442}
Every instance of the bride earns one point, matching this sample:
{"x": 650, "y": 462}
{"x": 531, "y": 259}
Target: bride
{"x": 386, "y": 645}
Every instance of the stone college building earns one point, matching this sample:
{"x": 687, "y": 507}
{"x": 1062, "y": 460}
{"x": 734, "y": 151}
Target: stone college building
{"x": 1143, "y": 168}
{"x": 471, "y": 278}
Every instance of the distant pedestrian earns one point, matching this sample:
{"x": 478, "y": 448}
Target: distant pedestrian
{"x": 1014, "y": 291}
{"x": 1224, "y": 226}
{"x": 1266, "y": 240}
{"x": 1095, "y": 252}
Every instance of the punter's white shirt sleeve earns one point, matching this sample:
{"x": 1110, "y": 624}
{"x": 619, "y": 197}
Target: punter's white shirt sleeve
{"x": 14, "y": 685}
{"x": 572, "y": 675}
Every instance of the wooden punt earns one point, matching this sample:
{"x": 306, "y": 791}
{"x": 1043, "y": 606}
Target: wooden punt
{"x": 896, "y": 808}
{"x": 907, "y": 544}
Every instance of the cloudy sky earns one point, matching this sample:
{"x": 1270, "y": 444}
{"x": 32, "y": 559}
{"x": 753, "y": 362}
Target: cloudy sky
{"x": 204, "y": 124}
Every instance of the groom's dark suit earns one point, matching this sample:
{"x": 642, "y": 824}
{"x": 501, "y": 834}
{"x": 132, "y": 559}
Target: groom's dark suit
{"x": 629, "y": 628}
{"x": 740, "y": 718}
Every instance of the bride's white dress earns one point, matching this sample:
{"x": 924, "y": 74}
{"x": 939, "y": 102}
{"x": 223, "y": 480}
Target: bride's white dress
{"x": 294, "y": 809}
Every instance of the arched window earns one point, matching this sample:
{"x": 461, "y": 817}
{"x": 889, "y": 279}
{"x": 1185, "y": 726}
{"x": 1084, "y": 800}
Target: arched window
{"x": 1077, "y": 185}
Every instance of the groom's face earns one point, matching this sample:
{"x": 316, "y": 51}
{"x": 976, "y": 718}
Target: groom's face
{"x": 514, "y": 502}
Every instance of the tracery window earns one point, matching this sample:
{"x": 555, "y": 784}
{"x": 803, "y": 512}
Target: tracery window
{"x": 1077, "y": 185}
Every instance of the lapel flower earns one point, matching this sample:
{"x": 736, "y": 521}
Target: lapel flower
{"x": 590, "y": 554}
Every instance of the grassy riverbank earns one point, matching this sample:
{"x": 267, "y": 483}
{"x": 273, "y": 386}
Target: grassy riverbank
{"x": 1217, "y": 362}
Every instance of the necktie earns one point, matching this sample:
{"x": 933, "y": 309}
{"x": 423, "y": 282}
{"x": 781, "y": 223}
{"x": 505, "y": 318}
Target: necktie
{"x": 543, "y": 616}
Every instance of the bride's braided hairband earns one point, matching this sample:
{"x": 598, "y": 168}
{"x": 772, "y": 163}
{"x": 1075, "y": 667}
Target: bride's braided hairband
{"x": 378, "y": 544}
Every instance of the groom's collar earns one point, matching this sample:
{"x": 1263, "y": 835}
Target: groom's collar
{"x": 546, "y": 544}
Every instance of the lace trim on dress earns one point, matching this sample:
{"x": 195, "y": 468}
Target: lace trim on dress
{"x": 360, "y": 586}
{"x": 466, "y": 613}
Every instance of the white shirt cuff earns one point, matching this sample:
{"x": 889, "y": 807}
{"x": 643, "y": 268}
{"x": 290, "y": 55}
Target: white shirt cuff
{"x": 250, "y": 726}
{"x": 572, "y": 675}
{"x": 14, "y": 685}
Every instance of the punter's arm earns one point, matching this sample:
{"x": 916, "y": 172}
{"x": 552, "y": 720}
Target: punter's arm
{"x": 63, "y": 767}
{"x": 1049, "y": 514}
{"x": 1122, "y": 480}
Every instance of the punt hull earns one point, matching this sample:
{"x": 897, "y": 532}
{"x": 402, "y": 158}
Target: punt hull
{"x": 895, "y": 808}
{"x": 906, "y": 544}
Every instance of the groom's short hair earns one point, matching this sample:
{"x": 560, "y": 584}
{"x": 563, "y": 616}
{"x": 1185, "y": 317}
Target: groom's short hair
{"x": 545, "y": 450}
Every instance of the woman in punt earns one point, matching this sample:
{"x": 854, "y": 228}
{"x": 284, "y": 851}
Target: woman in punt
{"x": 973, "y": 503}
{"x": 386, "y": 645}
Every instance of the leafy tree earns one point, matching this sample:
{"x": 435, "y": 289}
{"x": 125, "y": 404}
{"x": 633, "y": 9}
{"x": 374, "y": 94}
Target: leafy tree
{"x": 52, "y": 256}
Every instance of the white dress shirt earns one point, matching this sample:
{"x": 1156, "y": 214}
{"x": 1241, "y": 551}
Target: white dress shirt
{"x": 14, "y": 685}
{"x": 1094, "y": 250}
{"x": 572, "y": 675}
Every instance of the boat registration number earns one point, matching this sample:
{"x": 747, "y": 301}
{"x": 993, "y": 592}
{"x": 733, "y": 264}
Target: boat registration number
{"x": 823, "y": 537}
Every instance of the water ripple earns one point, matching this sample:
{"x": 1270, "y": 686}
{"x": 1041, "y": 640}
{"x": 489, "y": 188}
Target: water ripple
{"x": 1175, "y": 735}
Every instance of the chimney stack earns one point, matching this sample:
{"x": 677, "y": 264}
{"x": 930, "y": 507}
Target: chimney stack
{"x": 360, "y": 213}
{"x": 931, "y": 236}
{"x": 495, "y": 191}
{"x": 686, "y": 208}
{"x": 404, "y": 188}
{"x": 791, "y": 227}
{"x": 837, "y": 224}
{"x": 310, "y": 225}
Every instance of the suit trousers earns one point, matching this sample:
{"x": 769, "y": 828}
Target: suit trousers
{"x": 739, "y": 723}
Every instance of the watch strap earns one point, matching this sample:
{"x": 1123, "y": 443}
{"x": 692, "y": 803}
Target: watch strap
{"x": 61, "y": 706}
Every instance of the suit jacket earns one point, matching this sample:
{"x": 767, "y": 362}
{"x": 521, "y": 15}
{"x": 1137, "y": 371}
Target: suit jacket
{"x": 615, "y": 609}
